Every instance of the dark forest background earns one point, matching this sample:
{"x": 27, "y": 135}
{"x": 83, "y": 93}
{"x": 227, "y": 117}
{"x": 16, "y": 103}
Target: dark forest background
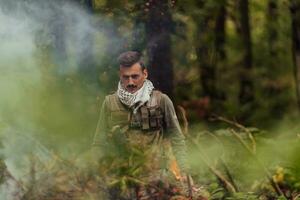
{"x": 235, "y": 58}
{"x": 233, "y": 65}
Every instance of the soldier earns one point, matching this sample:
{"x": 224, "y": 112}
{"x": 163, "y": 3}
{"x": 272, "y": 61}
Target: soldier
{"x": 138, "y": 125}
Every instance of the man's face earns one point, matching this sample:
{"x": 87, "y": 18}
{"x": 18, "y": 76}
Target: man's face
{"x": 132, "y": 78}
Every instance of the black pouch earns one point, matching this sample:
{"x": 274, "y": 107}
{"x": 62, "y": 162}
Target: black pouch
{"x": 155, "y": 117}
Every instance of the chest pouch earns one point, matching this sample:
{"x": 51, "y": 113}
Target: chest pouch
{"x": 135, "y": 122}
{"x": 155, "y": 117}
{"x": 145, "y": 118}
{"x": 151, "y": 118}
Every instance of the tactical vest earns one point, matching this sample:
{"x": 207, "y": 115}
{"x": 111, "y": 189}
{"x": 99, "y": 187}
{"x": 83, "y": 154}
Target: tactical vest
{"x": 144, "y": 130}
{"x": 149, "y": 117}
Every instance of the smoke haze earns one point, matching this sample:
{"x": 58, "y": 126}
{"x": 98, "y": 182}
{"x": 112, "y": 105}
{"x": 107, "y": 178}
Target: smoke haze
{"x": 46, "y": 103}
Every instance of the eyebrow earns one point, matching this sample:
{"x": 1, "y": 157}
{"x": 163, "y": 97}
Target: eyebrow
{"x": 132, "y": 75}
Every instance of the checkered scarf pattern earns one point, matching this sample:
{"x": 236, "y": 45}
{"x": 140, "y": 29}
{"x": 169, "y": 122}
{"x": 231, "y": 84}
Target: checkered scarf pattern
{"x": 136, "y": 99}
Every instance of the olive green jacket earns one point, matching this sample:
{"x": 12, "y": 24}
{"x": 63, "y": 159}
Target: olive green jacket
{"x": 112, "y": 119}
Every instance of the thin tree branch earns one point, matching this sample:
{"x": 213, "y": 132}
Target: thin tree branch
{"x": 266, "y": 171}
{"x": 243, "y": 128}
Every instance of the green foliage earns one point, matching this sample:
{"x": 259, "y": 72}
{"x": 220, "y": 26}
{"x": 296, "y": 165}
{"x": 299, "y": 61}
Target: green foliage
{"x": 247, "y": 162}
{"x": 52, "y": 105}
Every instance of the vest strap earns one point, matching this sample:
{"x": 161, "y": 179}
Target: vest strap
{"x": 155, "y": 99}
{"x": 145, "y": 118}
{"x": 152, "y": 118}
{"x": 151, "y": 114}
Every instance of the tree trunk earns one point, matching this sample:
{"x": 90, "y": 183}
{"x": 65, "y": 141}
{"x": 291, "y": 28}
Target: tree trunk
{"x": 206, "y": 57}
{"x": 271, "y": 88}
{"x": 159, "y": 26}
{"x": 220, "y": 37}
{"x": 220, "y": 31}
{"x": 246, "y": 83}
{"x": 138, "y": 37}
{"x": 205, "y": 52}
{"x": 295, "y": 14}
{"x": 272, "y": 16}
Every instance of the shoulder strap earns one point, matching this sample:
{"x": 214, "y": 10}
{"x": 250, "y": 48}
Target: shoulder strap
{"x": 154, "y": 113}
{"x": 155, "y": 99}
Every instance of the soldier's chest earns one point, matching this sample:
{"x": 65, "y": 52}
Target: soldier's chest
{"x": 141, "y": 129}
{"x": 145, "y": 119}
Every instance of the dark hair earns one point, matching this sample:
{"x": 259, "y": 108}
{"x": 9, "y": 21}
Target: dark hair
{"x": 129, "y": 58}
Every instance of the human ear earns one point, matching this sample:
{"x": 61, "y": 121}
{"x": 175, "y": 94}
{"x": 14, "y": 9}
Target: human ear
{"x": 145, "y": 72}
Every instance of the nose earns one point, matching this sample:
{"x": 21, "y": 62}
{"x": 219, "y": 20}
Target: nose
{"x": 130, "y": 81}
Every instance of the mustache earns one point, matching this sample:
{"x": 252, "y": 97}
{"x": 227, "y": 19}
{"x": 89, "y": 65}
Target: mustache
{"x": 131, "y": 86}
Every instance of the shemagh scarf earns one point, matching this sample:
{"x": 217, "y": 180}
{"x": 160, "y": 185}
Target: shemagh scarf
{"x": 138, "y": 98}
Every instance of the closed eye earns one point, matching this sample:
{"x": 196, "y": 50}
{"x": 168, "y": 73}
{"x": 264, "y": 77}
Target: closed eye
{"x": 134, "y": 76}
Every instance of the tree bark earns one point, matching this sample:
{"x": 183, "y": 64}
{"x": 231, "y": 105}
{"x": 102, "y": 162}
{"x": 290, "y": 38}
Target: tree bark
{"x": 159, "y": 26}
{"x": 220, "y": 31}
{"x": 210, "y": 46}
{"x": 206, "y": 56}
{"x": 220, "y": 39}
{"x": 138, "y": 42}
{"x": 295, "y": 15}
{"x": 272, "y": 16}
{"x": 272, "y": 88}
{"x": 246, "y": 94}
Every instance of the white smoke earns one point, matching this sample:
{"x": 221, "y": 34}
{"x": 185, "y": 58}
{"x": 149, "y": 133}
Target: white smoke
{"x": 37, "y": 38}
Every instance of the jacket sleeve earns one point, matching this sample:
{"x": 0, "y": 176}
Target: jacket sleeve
{"x": 174, "y": 133}
{"x": 100, "y": 137}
